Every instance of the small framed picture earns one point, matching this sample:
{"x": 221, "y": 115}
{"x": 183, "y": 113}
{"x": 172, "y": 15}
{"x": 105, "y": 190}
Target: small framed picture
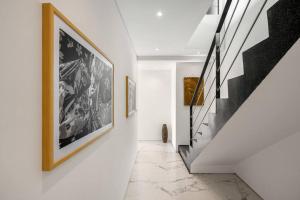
{"x": 130, "y": 97}
{"x": 78, "y": 89}
{"x": 190, "y": 84}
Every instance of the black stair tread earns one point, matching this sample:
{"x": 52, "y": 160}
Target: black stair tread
{"x": 237, "y": 90}
{"x": 284, "y": 31}
{"x": 225, "y": 108}
{"x": 221, "y": 104}
{"x": 284, "y": 19}
{"x": 259, "y": 61}
{"x": 224, "y": 112}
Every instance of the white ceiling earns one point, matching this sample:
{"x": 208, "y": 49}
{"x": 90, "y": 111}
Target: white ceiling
{"x": 177, "y": 33}
{"x": 204, "y": 34}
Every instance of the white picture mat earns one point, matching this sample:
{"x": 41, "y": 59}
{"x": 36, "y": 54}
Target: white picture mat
{"x": 61, "y": 153}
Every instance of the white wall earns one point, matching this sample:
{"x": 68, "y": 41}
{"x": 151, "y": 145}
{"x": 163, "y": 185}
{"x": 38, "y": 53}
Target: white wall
{"x": 184, "y": 69}
{"x": 161, "y": 98}
{"x": 173, "y": 106}
{"x": 154, "y": 100}
{"x": 274, "y": 172}
{"x": 101, "y": 170}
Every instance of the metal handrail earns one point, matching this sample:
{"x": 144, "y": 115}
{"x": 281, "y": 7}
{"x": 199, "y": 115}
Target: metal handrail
{"x": 231, "y": 64}
{"x": 202, "y": 89}
{"x": 234, "y": 34}
{"x": 204, "y": 100}
{"x": 236, "y": 5}
{"x": 220, "y": 25}
{"x": 223, "y": 38}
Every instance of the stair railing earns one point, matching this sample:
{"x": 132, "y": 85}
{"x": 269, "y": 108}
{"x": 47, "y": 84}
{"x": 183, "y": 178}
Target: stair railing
{"x": 216, "y": 61}
{"x": 212, "y": 47}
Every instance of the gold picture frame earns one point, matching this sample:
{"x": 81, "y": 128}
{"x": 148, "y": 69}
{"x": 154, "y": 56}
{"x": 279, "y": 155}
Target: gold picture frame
{"x": 53, "y": 154}
{"x": 190, "y": 84}
{"x": 130, "y": 97}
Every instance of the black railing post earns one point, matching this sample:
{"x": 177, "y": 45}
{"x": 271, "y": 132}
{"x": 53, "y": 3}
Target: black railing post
{"x": 191, "y": 125}
{"x": 218, "y": 63}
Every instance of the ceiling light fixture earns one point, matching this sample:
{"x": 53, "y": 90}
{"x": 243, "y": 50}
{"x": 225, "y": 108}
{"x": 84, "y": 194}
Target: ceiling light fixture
{"x": 199, "y": 54}
{"x": 157, "y": 49}
{"x": 159, "y": 14}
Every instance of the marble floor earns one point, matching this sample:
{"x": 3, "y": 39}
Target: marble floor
{"x": 160, "y": 174}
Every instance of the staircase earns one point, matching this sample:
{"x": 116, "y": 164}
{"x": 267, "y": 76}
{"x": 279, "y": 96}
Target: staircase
{"x": 258, "y": 61}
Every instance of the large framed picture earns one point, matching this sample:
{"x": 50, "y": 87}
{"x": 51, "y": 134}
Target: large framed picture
{"x": 130, "y": 97}
{"x": 78, "y": 89}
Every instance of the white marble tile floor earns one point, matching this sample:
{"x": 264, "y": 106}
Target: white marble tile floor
{"x": 160, "y": 174}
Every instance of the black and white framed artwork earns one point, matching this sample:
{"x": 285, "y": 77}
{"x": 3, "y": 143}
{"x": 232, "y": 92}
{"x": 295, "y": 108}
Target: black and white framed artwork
{"x": 85, "y": 92}
{"x": 78, "y": 89}
{"x": 130, "y": 97}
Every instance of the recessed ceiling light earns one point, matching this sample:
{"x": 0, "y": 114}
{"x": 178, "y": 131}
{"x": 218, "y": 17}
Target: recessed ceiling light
{"x": 200, "y": 54}
{"x": 159, "y": 14}
{"x": 157, "y": 49}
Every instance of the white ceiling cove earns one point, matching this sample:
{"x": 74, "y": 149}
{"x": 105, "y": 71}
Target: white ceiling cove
{"x": 175, "y": 33}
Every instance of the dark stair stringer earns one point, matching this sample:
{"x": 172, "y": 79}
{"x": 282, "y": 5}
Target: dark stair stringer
{"x": 259, "y": 60}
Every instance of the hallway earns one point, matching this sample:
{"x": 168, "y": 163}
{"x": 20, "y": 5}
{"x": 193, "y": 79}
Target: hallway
{"x": 90, "y": 88}
{"x": 159, "y": 173}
